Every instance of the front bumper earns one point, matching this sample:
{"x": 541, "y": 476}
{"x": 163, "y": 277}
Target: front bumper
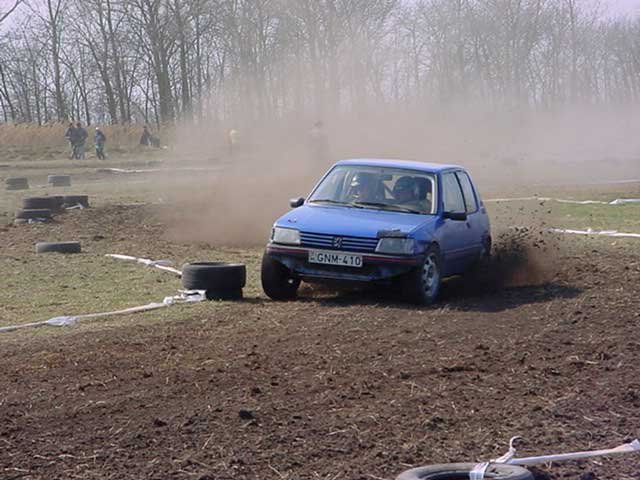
{"x": 375, "y": 268}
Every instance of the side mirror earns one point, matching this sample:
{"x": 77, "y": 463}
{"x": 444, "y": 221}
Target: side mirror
{"x": 456, "y": 216}
{"x": 296, "y": 202}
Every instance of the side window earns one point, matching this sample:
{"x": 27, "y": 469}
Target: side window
{"x": 453, "y": 200}
{"x": 467, "y": 190}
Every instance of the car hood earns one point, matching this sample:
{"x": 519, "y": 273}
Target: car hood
{"x": 348, "y": 221}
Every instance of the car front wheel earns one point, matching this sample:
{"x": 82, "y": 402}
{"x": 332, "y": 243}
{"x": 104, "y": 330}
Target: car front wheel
{"x": 422, "y": 286}
{"x": 277, "y": 281}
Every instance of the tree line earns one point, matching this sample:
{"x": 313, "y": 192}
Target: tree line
{"x": 162, "y": 61}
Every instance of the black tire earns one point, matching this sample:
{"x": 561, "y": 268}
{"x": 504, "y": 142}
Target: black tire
{"x": 59, "y": 247}
{"x": 460, "y": 471}
{"x": 214, "y": 276}
{"x": 232, "y": 294}
{"x": 73, "y": 200}
{"x": 50, "y": 203}
{"x": 34, "y": 214}
{"x": 16, "y": 183}
{"x": 59, "y": 180}
{"x": 422, "y": 285}
{"x": 277, "y": 281}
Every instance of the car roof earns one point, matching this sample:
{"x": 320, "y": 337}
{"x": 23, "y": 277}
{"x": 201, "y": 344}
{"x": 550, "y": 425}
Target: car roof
{"x": 410, "y": 164}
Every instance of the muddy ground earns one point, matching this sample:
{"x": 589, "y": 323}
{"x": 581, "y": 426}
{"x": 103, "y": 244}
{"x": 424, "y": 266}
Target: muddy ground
{"x": 334, "y": 386}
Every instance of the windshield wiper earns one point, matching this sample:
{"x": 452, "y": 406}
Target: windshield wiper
{"x": 386, "y": 206}
{"x": 328, "y": 200}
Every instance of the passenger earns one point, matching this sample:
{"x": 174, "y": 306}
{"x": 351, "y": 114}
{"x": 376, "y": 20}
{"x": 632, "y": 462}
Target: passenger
{"x": 405, "y": 192}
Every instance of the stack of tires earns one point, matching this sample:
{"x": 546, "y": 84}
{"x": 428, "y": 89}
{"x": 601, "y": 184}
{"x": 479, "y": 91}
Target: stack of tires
{"x": 38, "y": 209}
{"x": 16, "y": 183}
{"x": 220, "y": 281}
{"x": 42, "y": 209}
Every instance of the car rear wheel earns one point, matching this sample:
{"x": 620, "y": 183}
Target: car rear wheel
{"x": 277, "y": 281}
{"x": 422, "y": 285}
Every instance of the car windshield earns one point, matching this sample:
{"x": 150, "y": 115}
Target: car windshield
{"x": 381, "y": 188}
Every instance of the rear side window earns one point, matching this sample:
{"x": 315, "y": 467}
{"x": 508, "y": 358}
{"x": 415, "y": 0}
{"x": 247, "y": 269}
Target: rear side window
{"x": 467, "y": 189}
{"x": 452, "y": 195}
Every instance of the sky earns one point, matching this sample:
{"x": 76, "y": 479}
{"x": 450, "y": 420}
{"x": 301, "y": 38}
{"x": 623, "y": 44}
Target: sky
{"x": 616, "y": 7}
{"x": 631, "y": 7}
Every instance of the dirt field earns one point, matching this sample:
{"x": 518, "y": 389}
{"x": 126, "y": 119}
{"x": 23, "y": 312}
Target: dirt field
{"x": 338, "y": 385}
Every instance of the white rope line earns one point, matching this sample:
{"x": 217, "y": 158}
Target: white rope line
{"x": 617, "y": 201}
{"x": 161, "y": 264}
{"x": 595, "y": 233}
{"x": 509, "y": 458}
{"x": 187, "y": 296}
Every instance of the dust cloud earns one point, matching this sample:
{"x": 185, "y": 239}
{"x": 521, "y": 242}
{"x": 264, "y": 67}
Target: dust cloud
{"x": 510, "y": 153}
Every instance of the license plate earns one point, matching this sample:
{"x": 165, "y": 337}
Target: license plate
{"x": 335, "y": 258}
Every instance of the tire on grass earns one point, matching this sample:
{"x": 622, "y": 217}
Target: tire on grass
{"x": 34, "y": 214}
{"x": 220, "y": 280}
{"x": 59, "y": 247}
{"x": 50, "y": 203}
{"x": 16, "y": 183}
{"x": 59, "y": 180}
{"x": 460, "y": 471}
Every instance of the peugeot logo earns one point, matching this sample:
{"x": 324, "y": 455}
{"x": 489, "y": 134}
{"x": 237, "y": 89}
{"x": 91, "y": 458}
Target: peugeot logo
{"x": 337, "y": 242}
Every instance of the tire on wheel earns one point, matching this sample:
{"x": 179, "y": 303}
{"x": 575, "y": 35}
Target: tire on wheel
{"x": 457, "y": 471}
{"x": 42, "y": 214}
{"x": 277, "y": 280}
{"x": 58, "y": 247}
{"x": 16, "y": 183}
{"x": 59, "y": 180}
{"x": 221, "y": 281}
{"x": 422, "y": 285}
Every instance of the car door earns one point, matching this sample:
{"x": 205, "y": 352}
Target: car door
{"x": 454, "y": 234}
{"x": 476, "y": 219}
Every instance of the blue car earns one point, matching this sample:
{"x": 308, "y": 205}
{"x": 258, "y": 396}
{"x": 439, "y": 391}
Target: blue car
{"x": 379, "y": 221}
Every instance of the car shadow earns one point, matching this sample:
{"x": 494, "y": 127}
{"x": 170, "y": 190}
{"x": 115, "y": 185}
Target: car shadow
{"x": 457, "y": 293}
{"x": 464, "y": 295}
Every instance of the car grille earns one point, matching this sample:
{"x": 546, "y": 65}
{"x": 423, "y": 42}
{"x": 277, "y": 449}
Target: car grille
{"x": 326, "y": 241}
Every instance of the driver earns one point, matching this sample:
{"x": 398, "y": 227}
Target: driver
{"x": 363, "y": 187}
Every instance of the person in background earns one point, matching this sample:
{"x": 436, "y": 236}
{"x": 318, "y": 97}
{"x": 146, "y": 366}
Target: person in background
{"x": 78, "y": 138}
{"x": 69, "y": 134}
{"x": 145, "y": 138}
{"x": 319, "y": 143}
{"x": 99, "y": 139}
{"x": 234, "y": 140}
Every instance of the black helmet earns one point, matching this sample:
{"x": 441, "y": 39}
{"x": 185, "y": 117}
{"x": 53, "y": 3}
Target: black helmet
{"x": 403, "y": 184}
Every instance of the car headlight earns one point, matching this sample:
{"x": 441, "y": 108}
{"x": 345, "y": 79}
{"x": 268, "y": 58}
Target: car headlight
{"x": 396, "y": 246}
{"x": 288, "y": 236}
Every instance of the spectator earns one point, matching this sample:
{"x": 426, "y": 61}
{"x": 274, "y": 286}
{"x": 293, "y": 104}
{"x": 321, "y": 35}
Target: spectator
{"x": 234, "y": 140}
{"x": 99, "y": 139}
{"x": 145, "y": 139}
{"x": 148, "y": 139}
{"x": 78, "y": 138}
{"x": 319, "y": 143}
{"x": 69, "y": 134}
